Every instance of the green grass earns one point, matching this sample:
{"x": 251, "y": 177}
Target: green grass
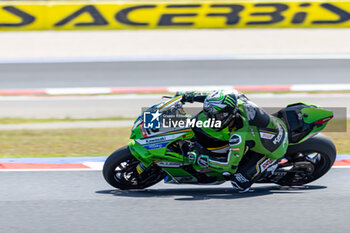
{"x": 341, "y": 140}
{"x": 64, "y": 142}
{"x": 90, "y": 142}
{"x": 49, "y": 120}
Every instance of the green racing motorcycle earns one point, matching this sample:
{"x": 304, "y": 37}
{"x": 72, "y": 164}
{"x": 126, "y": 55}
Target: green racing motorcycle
{"x": 154, "y": 154}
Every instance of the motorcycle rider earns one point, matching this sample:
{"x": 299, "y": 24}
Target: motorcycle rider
{"x": 249, "y": 139}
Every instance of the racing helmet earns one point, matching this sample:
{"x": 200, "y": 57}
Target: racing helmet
{"x": 221, "y": 106}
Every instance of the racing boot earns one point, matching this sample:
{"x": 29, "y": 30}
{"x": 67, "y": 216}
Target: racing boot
{"x": 250, "y": 169}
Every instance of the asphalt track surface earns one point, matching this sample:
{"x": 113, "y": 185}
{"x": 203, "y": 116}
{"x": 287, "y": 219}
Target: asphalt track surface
{"x": 81, "y": 201}
{"x": 169, "y": 73}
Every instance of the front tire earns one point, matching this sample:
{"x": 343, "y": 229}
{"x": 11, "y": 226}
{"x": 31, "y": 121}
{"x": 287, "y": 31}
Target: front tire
{"x": 119, "y": 170}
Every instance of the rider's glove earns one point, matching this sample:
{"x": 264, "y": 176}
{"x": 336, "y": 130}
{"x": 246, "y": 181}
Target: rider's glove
{"x": 177, "y": 94}
{"x": 188, "y": 97}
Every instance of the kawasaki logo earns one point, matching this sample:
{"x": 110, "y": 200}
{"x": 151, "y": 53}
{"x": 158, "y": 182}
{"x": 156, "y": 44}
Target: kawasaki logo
{"x": 155, "y": 139}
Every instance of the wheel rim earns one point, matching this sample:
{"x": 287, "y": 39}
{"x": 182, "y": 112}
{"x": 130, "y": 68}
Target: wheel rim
{"x": 126, "y": 173}
{"x": 306, "y": 165}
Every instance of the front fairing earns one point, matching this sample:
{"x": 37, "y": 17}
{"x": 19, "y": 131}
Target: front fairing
{"x": 152, "y": 146}
{"x": 170, "y": 106}
{"x": 149, "y": 145}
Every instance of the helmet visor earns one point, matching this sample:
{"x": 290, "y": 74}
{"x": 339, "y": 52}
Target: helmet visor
{"x": 223, "y": 117}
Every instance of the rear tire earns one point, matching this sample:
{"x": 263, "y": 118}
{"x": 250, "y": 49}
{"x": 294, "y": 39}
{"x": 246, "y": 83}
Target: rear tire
{"x": 316, "y": 156}
{"x": 119, "y": 170}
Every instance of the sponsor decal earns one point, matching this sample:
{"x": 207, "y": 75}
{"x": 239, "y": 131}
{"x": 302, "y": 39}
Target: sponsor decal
{"x": 250, "y": 111}
{"x": 231, "y": 101}
{"x": 156, "y": 146}
{"x": 235, "y": 140}
{"x": 278, "y": 138}
{"x": 143, "y": 131}
{"x": 285, "y": 141}
{"x": 280, "y": 134}
{"x": 266, "y": 164}
{"x": 324, "y": 120}
{"x": 140, "y": 168}
{"x": 145, "y": 141}
{"x": 158, "y": 139}
{"x": 240, "y": 178}
{"x": 262, "y": 165}
{"x": 169, "y": 164}
{"x": 236, "y": 149}
{"x": 265, "y": 135}
{"x": 65, "y": 15}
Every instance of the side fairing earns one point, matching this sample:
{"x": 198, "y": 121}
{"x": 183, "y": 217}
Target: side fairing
{"x": 154, "y": 149}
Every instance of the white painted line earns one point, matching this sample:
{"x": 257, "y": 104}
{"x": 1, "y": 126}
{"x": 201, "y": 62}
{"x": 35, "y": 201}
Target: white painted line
{"x": 320, "y": 87}
{"x": 80, "y": 169}
{"x": 81, "y": 91}
{"x": 94, "y": 165}
{"x": 47, "y": 170}
{"x": 159, "y": 97}
{"x": 174, "y": 58}
{"x": 198, "y": 88}
{"x": 298, "y": 95}
{"x": 69, "y": 98}
{"x": 173, "y": 89}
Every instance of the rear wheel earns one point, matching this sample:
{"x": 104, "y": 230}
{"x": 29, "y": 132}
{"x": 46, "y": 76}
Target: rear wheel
{"x": 120, "y": 171}
{"x": 307, "y": 161}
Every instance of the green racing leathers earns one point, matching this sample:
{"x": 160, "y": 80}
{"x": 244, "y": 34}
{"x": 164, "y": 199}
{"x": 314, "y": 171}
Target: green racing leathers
{"x": 259, "y": 137}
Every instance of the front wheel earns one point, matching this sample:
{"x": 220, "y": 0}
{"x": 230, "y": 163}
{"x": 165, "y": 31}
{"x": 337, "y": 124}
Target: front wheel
{"x": 119, "y": 170}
